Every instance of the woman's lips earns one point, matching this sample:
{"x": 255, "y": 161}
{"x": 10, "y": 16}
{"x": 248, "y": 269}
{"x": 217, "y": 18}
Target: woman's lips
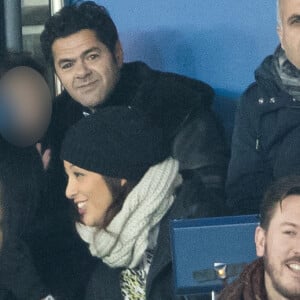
{"x": 81, "y": 207}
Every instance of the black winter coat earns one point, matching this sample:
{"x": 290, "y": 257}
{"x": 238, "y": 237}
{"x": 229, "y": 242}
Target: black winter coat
{"x": 182, "y": 107}
{"x": 5, "y": 295}
{"x": 266, "y": 140}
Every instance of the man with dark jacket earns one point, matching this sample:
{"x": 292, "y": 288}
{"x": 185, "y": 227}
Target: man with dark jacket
{"x": 82, "y": 44}
{"x": 276, "y": 274}
{"x": 266, "y": 139}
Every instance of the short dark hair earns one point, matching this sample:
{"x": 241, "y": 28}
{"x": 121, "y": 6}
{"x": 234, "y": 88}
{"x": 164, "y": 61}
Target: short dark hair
{"x": 276, "y": 193}
{"x": 73, "y": 18}
{"x": 13, "y": 59}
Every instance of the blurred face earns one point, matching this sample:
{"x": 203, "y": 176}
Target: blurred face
{"x": 26, "y": 101}
{"x": 86, "y": 67}
{"x": 289, "y": 32}
{"x": 90, "y": 194}
{"x": 280, "y": 247}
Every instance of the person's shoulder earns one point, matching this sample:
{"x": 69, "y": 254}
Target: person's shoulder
{"x": 251, "y": 97}
{"x": 63, "y": 100}
{"x": 251, "y": 93}
{"x": 180, "y": 81}
{"x": 264, "y": 86}
{"x": 63, "y": 105}
{"x": 171, "y": 82}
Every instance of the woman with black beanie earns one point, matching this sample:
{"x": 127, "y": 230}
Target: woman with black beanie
{"x": 123, "y": 186}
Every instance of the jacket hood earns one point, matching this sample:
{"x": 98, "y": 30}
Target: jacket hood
{"x": 267, "y": 78}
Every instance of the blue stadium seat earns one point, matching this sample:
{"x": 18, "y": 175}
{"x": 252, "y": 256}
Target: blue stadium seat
{"x": 209, "y": 252}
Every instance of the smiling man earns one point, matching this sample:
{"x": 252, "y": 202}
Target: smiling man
{"x": 82, "y": 44}
{"x": 276, "y": 275}
{"x": 86, "y": 67}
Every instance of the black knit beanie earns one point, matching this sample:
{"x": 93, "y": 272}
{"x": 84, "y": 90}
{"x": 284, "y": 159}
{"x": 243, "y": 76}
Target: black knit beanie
{"x": 117, "y": 141}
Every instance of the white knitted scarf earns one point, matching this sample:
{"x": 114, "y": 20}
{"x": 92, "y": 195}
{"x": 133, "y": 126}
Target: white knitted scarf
{"x": 126, "y": 238}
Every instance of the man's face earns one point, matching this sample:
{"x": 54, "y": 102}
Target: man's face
{"x": 289, "y": 32}
{"x": 280, "y": 247}
{"x": 86, "y": 67}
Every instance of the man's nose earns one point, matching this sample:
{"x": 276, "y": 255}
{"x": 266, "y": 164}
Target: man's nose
{"x": 82, "y": 69}
{"x": 296, "y": 246}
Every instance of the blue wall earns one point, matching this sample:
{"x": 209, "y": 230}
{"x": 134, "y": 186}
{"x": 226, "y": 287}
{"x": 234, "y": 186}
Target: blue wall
{"x": 218, "y": 41}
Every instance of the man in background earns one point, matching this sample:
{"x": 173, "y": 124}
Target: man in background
{"x": 82, "y": 44}
{"x": 266, "y": 138}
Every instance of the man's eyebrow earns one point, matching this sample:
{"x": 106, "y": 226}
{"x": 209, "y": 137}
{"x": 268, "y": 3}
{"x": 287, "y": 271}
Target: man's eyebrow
{"x": 289, "y": 224}
{"x": 293, "y": 18}
{"x": 84, "y": 53}
{"x": 65, "y": 60}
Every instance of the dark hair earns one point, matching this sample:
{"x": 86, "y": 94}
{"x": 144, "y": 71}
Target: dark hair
{"x": 73, "y": 18}
{"x": 21, "y": 182}
{"x": 276, "y": 193}
{"x": 11, "y": 59}
{"x": 119, "y": 194}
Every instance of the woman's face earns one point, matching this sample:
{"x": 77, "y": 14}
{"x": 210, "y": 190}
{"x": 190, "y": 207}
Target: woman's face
{"x": 90, "y": 194}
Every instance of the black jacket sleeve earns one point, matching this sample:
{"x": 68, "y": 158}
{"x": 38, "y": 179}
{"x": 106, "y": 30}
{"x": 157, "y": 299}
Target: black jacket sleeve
{"x": 246, "y": 177}
{"x": 202, "y": 152}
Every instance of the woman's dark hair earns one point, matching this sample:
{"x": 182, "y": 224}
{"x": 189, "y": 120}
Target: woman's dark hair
{"x": 276, "y": 193}
{"x": 71, "y": 19}
{"x": 119, "y": 194}
{"x": 21, "y": 182}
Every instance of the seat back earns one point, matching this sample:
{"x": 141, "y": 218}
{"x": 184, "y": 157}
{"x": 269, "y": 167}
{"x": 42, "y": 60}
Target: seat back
{"x": 208, "y": 251}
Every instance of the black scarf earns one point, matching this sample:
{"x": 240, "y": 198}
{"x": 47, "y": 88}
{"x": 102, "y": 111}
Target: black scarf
{"x": 286, "y": 74}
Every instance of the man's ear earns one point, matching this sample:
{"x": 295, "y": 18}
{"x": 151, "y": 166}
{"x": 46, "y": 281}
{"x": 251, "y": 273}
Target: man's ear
{"x": 280, "y": 34}
{"x": 119, "y": 54}
{"x": 260, "y": 241}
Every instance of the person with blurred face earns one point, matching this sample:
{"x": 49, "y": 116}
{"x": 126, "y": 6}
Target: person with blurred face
{"x": 276, "y": 275}
{"x": 25, "y": 100}
{"x": 266, "y": 134}
{"x": 31, "y": 185}
{"x": 82, "y": 44}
